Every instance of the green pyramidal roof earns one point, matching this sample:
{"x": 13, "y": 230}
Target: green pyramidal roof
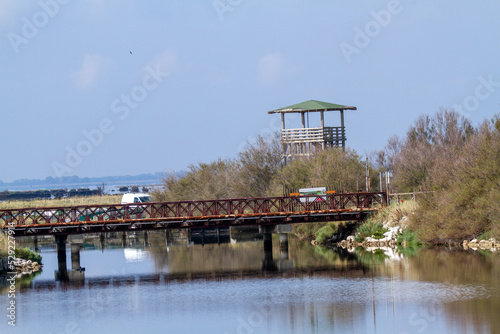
{"x": 311, "y": 105}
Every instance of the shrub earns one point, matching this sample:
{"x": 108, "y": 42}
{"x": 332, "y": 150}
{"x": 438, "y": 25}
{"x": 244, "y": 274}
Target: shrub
{"x": 28, "y": 254}
{"x": 325, "y": 233}
{"x": 368, "y": 229}
{"x": 410, "y": 237}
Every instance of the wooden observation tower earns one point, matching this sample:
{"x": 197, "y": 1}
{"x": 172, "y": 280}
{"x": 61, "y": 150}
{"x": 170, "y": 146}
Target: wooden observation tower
{"x": 304, "y": 142}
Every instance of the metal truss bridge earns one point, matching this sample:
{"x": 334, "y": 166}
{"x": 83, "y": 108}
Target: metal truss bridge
{"x": 190, "y": 214}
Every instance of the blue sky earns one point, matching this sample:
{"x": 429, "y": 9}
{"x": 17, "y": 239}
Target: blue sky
{"x": 96, "y": 88}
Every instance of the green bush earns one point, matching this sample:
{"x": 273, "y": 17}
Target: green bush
{"x": 368, "y": 229}
{"x": 410, "y": 237}
{"x": 28, "y": 254}
{"x": 485, "y": 236}
{"x": 325, "y": 233}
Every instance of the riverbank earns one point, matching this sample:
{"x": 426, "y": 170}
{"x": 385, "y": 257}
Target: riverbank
{"x": 391, "y": 227}
{"x": 388, "y": 227}
{"x": 19, "y": 266}
{"x": 25, "y": 260}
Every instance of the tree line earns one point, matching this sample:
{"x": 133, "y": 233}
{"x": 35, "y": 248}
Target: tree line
{"x": 258, "y": 171}
{"x": 457, "y": 166}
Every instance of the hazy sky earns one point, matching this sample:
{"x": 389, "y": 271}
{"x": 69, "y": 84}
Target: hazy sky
{"x": 96, "y": 87}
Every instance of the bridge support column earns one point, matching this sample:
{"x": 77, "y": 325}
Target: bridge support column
{"x": 75, "y": 256}
{"x": 124, "y": 240}
{"x": 103, "y": 241}
{"x": 283, "y": 237}
{"x": 284, "y": 262}
{"x": 62, "y": 271}
{"x": 77, "y": 273}
{"x": 35, "y": 243}
{"x": 268, "y": 262}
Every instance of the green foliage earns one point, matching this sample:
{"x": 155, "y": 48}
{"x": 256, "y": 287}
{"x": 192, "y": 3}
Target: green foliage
{"x": 327, "y": 253}
{"x": 376, "y": 257}
{"x": 325, "y": 232}
{"x": 409, "y": 250}
{"x": 485, "y": 236}
{"x": 368, "y": 229}
{"x": 28, "y": 254}
{"x": 466, "y": 194}
{"x": 409, "y": 237}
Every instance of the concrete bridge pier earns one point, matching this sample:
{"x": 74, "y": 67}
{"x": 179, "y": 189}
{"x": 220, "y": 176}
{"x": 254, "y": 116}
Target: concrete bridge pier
{"x": 168, "y": 237}
{"x": 124, "y": 240}
{"x": 77, "y": 273}
{"x": 268, "y": 263}
{"x": 61, "y": 274}
{"x": 284, "y": 262}
{"x": 146, "y": 242}
{"x": 35, "y": 244}
{"x": 103, "y": 241}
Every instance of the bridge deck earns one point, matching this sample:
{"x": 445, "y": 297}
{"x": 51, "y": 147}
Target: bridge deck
{"x": 189, "y": 214}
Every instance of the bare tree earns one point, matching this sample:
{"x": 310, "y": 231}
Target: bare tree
{"x": 101, "y": 189}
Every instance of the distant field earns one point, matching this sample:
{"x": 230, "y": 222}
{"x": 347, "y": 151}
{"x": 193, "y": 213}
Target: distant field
{"x": 73, "y": 201}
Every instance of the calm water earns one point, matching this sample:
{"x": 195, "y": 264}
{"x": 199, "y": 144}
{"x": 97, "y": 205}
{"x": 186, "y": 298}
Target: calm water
{"x": 152, "y": 285}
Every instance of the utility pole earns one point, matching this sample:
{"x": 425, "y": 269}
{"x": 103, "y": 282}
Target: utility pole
{"x": 367, "y": 176}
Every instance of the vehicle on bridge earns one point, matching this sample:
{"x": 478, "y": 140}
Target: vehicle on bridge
{"x": 136, "y": 198}
{"x": 314, "y": 194}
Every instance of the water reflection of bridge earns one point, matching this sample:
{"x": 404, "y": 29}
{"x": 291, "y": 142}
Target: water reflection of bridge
{"x": 356, "y": 271}
{"x": 281, "y": 265}
{"x": 77, "y": 273}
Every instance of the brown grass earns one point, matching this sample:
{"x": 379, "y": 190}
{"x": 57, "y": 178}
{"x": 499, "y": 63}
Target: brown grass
{"x": 3, "y": 244}
{"x": 73, "y": 201}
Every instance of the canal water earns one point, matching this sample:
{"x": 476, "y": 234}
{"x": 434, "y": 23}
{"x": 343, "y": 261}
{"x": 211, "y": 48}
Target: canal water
{"x": 158, "y": 283}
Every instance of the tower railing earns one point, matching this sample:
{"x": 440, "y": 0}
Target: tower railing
{"x": 313, "y": 135}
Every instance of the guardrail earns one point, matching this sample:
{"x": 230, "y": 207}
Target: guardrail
{"x": 186, "y": 209}
{"x": 319, "y": 134}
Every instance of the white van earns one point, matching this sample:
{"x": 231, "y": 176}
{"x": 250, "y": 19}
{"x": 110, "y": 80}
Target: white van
{"x": 136, "y": 198}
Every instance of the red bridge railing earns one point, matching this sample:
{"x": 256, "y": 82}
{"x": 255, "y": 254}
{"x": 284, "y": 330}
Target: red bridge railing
{"x": 194, "y": 209}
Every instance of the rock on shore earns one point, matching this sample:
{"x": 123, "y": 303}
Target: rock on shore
{"x": 21, "y": 266}
{"x": 475, "y": 244}
{"x": 389, "y": 239}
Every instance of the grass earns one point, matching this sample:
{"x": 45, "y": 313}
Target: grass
{"x": 71, "y": 201}
{"x": 3, "y": 244}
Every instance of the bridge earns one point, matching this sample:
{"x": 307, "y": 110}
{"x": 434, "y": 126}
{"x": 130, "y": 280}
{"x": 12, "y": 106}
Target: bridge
{"x": 203, "y": 214}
